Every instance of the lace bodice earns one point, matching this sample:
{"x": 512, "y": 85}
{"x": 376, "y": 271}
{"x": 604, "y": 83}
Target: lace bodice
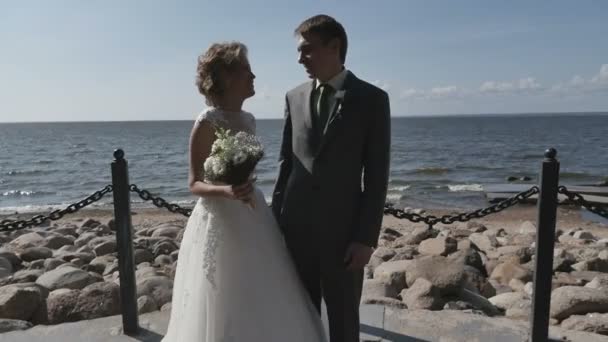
{"x": 235, "y": 121}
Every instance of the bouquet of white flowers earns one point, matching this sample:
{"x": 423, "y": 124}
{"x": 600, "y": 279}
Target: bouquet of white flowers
{"x": 233, "y": 157}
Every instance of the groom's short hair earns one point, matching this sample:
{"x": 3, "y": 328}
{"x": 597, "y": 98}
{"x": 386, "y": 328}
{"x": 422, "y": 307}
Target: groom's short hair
{"x": 327, "y": 28}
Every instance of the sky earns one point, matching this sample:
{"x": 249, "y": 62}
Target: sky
{"x": 136, "y": 60}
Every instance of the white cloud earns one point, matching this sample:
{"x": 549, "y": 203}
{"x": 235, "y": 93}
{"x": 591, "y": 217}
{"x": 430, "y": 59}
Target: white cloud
{"x": 382, "y": 85}
{"x": 602, "y": 76}
{"x": 526, "y": 86}
{"x": 521, "y": 85}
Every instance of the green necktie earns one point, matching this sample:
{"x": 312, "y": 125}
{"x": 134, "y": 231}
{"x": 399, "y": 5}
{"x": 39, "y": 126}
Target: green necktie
{"x": 325, "y": 91}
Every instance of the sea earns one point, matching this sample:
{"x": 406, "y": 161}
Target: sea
{"x": 436, "y": 161}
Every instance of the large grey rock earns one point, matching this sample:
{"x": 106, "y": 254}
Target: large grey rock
{"x": 378, "y": 288}
{"x": 23, "y": 276}
{"x": 483, "y": 241}
{"x": 26, "y": 241}
{"x": 97, "y": 300}
{"x": 65, "y": 278}
{"x": 527, "y": 228}
{"x": 594, "y": 323}
{"x": 574, "y": 300}
{"x": 595, "y": 264}
{"x": 392, "y": 273}
{"x": 164, "y": 247}
{"x": 19, "y": 303}
{"x": 104, "y": 248}
{"x": 160, "y": 288}
{"x": 36, "y": 253}
{"x": 146, "y": 304}
{"x": 598, "y": 283}
{"x": 441, "y": 245}
{"x": 416, "y": 237}
{"x": 60, "y": 305}
{"x": 445, "y": 274}
{"x": 504, "y": 301}
{"x": 58, "y": 241}
{"x": 52, "y": 263}
{"x": 84, "y": 239}
{"x": 509, "y": 270}
{"x": 6, "y": 268}
{"x": 7, "y": 325}
{"x": 11, "y": 257}
{"x": 422, "y": 295}
{"x": 166, "y": 230}
{"x": 479, "y": 302}
{"x": 143, "y": 255}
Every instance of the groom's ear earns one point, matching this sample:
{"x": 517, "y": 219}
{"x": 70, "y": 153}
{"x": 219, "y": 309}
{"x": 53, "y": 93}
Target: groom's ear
{"x": 334, "y": 44}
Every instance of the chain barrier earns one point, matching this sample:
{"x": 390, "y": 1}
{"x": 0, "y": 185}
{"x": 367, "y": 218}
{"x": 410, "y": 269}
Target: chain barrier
{"x": 159, "y": 202}
{"x": 10, "y": 225}
{"x": 580, "y": 200}
{"x": 431, "y": 220}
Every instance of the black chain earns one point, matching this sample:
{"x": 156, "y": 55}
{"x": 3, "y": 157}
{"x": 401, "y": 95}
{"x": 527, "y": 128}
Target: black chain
{"x": 10, "y": 225}
{"x": 159, "y": 202}
{"x": 580, "y": 200}
{"x": 431, "y": 220}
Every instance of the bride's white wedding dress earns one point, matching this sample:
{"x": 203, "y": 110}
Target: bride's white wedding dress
{"x": 235, "y": 280}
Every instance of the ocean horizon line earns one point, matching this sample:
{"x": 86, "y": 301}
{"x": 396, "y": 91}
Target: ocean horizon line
{"x": 449, "y": 115}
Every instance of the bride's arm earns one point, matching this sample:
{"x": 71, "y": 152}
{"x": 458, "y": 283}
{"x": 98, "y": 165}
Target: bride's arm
{"x": 201, "y": 140}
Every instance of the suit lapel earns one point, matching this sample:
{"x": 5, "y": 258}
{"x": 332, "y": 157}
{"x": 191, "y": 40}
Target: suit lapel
{"x": 341, "y": 107}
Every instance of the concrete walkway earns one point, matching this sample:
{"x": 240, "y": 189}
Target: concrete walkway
{"x": 377, "y": 324}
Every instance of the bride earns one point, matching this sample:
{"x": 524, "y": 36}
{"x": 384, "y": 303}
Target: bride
{"x": 235, "y": 280}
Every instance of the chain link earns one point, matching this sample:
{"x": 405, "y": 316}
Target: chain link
{"x": 431, "y": 220}
{"x": 580, "y": 200}
{"x": 10, "y": 225}
{"x": 159, "y": 202}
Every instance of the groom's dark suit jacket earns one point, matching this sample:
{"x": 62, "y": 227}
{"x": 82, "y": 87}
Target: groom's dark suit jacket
{"x": 331, "y": 187}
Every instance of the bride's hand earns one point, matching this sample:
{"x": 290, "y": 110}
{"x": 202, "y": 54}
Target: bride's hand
{"x": 241, "y": 192}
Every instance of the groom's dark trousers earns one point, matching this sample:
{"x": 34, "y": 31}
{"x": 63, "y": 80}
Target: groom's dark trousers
{"x": 331, "y": 191}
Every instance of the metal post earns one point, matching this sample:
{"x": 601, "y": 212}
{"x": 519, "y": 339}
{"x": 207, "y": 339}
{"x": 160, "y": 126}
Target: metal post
{"x": 124, "y": 234}
{"x": 545, "y": 241}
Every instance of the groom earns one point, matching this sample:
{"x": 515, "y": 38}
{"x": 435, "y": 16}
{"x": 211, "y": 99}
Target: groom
{"x": 334, "y": 167}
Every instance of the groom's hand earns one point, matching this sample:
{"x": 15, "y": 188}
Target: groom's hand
{"x": 357, "y": 256}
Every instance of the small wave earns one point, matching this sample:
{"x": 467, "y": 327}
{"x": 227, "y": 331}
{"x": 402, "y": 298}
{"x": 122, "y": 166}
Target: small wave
{"x": 432, "y": 170}
{"x": 24, "y": 172}
{"x": 465, "y": 187}
{"x": 574, "y": 175}
{"x": 18, "y": 193}
{"x": 393, "y": 197}
{"x": 400, "y": 188}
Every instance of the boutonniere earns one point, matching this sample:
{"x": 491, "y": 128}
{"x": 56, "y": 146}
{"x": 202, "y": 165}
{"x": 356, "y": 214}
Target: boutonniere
{"x": 339, "y": 96}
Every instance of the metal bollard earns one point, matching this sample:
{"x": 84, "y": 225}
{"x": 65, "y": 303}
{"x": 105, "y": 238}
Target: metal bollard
{"x": 545, "y": 241}
{"x": 124, "y": 236}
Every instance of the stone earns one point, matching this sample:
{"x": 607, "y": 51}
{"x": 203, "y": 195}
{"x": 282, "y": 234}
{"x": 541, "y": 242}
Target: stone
{"x": 65, "y": 278}
{"x": 445, "y": 274}
{"x": 509, "y": 270}
{"x": 11, "y": 257}
{"x": 505, "y": 301}
{"x": 60, "y": 305}
{"x": 438, "y": 246}
{"x": 169, "y": 231}
{"x": 598, "y": 283}
{"x": 384, "y": 301}
{"x": 6, "y": 268}
{"x": 146, "y": 304}
{"x": 377, "y": 288}
{"x": 158, "y": 287}
{"x": 593, "y": 322}
{"x": 97, "y": 300}
{"x": 7, "y": 325}
{"x": 596, "y": 264}
{"x": 36, "y": 253}
{"x": 19, "y": 303}
{"x": 143, "y": 255}
{"x": 392, "y": 273}
{"x": 583, "y": 235}
{"x": 416, "y": 237}
{"x": 24, "y": 276}
{"x": 527, "y": 228}
{"x": 58, "y": 241}
{"x": 26, "y": 241}
{"x": 575, "y": 300}
{"x": 104, "y": 248}
{"x": 52, "y": 263}
{"x": 422, "y": 295}
{"x": 479, "y": 302}
{"x": 90, "y": 223}
{"x": 164, "y": 248}
{"x": 483, "y": 242}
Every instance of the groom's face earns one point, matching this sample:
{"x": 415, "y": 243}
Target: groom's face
{"x": 315, "y": 55}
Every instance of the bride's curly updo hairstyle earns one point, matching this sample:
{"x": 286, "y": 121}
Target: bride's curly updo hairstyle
{"x": 217, "y": 61}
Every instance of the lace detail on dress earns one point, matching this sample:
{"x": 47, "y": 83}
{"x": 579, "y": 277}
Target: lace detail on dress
{"x": 236, "y": 122}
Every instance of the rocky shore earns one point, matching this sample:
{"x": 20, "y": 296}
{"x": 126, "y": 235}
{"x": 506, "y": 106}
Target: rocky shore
{"x": 68, "y": 271}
